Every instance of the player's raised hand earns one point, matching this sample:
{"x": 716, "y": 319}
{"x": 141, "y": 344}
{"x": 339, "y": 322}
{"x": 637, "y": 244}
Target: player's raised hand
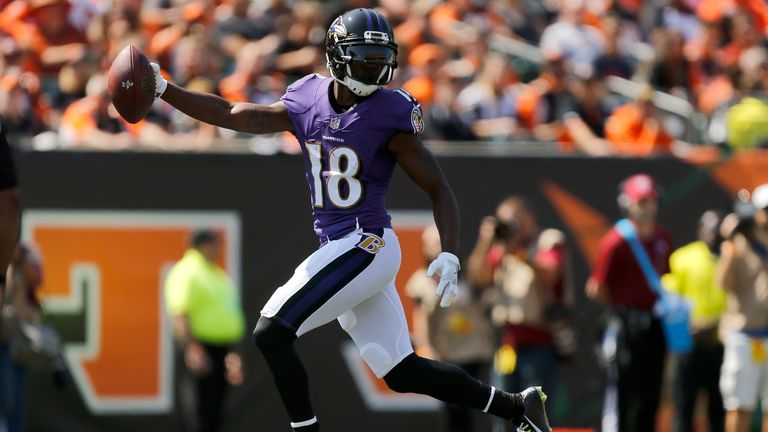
{"x": 447, "y": 266}
{"x": 160, "y": 83}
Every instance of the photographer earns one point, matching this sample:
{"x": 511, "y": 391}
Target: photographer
{"x": 25, "y": 340}
{"x": 523, "y": 269}
{"x": 460, "y": 333}
{"x": 742, "y": 271}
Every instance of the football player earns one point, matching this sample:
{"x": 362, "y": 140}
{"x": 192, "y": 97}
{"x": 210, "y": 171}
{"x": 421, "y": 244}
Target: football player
{"x": 352, "y": 133}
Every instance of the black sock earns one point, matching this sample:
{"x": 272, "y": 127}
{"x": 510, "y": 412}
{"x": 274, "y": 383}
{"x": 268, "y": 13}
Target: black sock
{"x": 314, "y": 427}
{"x": 450, "y": 383}
{"x": 276, "y": 344}
{"x": 508, "y": 406}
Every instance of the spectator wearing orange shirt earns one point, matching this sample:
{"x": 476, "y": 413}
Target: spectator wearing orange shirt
{"x": 636, "y": 129}
{"x": 716, "y": 10}
{"x": 425, "y": 62}
{"x": 41, "y": 28}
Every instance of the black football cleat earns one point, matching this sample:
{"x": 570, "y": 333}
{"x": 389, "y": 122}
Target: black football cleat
{"x": 535, "y": 418}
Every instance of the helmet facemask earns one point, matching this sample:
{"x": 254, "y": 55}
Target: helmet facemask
{"x": 363, "y": 64}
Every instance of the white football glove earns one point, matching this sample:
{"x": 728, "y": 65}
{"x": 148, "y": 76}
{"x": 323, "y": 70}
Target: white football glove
{"x": 447, "y": 266}
{"x": 160, "y": 83}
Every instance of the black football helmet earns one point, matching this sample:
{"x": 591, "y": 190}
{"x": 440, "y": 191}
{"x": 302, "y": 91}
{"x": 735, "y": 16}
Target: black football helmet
{"x": 361, "y": 50}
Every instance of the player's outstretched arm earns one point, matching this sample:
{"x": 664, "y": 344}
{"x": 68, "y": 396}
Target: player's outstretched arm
{"x": 423, "y": 169}
{"x": 420, "y": 165}
{"x": 242, "y": 117}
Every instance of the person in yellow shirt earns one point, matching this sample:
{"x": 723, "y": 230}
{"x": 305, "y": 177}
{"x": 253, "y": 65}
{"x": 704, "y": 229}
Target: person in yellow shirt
{"x": 692, "y": 275}
{"x": 208, "y": 322}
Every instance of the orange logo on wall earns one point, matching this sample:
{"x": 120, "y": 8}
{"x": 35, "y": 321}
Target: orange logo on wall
{"x": 109, "y": 267}
{"x": 585, "y": 223}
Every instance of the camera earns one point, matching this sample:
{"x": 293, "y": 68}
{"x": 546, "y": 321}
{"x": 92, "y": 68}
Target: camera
{"x": 504, "y": 229}
{"x": 745, "y": 210}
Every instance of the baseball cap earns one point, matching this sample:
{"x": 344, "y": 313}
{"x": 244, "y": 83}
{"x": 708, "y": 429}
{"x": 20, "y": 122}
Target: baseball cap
{"x": 642, "y": 186}
{"x": 760, "y": 196}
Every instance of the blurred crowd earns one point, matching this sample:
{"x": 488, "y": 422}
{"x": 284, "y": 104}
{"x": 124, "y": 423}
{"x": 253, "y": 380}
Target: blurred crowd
{"x": 600, "y": 77}
{"x": 694, "y": 316}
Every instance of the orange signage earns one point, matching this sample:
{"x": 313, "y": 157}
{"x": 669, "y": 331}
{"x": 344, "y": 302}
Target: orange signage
{"x": 109, "y": 267}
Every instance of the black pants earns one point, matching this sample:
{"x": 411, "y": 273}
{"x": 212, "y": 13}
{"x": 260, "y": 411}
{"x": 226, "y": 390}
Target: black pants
{"x": 202, "y": 397}
{"x": 700, "y": 370}
{"x": 639, "y": 367}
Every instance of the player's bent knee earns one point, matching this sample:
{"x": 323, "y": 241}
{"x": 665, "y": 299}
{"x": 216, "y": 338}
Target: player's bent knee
{"x": 401, "y": 378}
{"x": 270, "y": 335}
{"x": 397, "y": 382}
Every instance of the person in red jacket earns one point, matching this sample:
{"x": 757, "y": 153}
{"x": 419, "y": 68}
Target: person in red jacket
{"x": 617, "y": 282}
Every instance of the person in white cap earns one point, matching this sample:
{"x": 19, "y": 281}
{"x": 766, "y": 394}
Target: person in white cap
{"x": 742, "y": 271}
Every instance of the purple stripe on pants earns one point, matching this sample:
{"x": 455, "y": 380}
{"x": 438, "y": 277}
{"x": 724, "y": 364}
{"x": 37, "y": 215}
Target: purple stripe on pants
{"x": 329, "y": 283}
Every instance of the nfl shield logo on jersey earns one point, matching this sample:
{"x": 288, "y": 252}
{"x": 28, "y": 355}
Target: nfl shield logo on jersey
{"x": 335, "y": 122}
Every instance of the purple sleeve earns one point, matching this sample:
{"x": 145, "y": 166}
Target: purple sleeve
{"x": 299, "y": 96}
{"x": 408, "y": 116}
{"x": 298, "y": 99}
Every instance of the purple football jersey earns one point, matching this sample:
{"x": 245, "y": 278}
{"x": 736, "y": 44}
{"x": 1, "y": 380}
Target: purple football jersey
{"x": 346, "y": 157}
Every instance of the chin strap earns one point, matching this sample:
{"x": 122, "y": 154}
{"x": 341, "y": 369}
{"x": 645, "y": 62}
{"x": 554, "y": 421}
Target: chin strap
{"x": 353, "y": 85}
{"x": 357, "y": 87}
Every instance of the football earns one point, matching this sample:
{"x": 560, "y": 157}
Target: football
{"x": 131, "y": 84}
